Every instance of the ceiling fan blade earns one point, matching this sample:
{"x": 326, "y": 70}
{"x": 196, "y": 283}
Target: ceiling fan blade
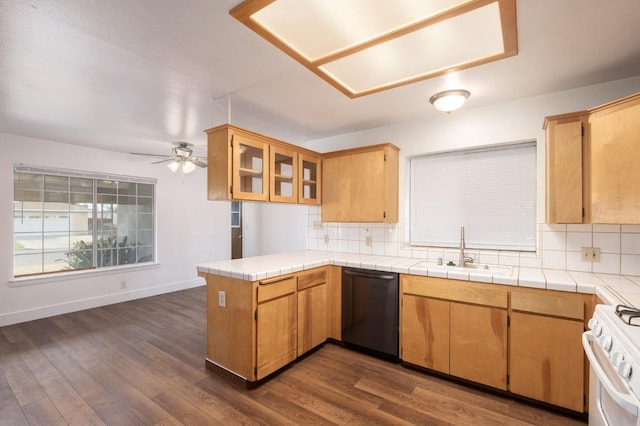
{"x": 198, "y": 162}
{"x": 151, "y": 155}
{"x": 164, "y": 161}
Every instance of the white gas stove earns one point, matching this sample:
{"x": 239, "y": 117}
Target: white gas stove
{"x": 613, "y": 347}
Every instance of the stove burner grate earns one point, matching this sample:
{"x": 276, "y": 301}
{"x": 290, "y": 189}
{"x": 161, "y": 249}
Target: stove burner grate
{"x": 628, "y": 314}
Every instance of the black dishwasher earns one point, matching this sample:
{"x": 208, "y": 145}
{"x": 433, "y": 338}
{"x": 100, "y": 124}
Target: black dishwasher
{"x": 370, "y": 311}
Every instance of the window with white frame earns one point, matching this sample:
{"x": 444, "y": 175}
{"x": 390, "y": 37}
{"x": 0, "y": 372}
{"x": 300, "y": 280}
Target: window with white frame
{"x": 67, "y": 220}
{"x": 490, "y": 191}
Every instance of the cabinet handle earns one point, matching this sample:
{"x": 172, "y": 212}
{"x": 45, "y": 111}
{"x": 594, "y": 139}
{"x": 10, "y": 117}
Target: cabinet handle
{"x": 276, "y": 280}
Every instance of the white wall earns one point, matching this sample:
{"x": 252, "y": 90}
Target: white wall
{"x": 190, "y": 230}
{"x": 507, "y": 122}
{"x": 269, "y": 228}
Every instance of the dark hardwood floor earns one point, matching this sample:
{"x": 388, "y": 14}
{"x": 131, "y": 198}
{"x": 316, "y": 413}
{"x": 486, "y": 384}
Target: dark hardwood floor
{"x": 142, "y": 362}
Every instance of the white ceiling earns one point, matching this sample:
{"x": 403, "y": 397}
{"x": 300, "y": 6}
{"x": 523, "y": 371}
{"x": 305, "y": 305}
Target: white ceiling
{"x": 134, "y": 75}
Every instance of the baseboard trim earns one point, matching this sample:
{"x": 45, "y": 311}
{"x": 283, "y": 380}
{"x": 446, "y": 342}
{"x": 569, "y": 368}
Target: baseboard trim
{"x": 94, "y": 302}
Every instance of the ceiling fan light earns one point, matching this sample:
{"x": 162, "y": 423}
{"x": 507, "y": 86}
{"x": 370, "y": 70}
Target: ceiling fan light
{"x": 449, "y": 100}
{"x": 173, "y": 166}
{"x": 188, "y": 167}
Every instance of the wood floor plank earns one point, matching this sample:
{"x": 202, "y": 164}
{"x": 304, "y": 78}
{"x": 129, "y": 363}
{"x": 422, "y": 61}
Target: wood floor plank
{"x": 10, "y": 411}
{"x": 44, "y": 413}
{"x": 23, "y": 383}
{"x": 184, "y": 411}
{"x": 142, "y": 362}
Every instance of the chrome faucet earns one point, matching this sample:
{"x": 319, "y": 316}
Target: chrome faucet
{"x": 463, "y": 260}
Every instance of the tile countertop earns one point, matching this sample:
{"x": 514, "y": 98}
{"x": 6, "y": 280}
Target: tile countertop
{"x": 612, "y": 289}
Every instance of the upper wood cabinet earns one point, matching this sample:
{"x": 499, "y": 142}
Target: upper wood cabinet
{"x": 592, "y": 173}
{"x": 566, "y": 171}
{"x": 361, "y": 184}
{"x": 615, "y": 156}
{"x": 283, "y": 184}
{"x": 244, "y": 165}
{"x": 310, "y": 181}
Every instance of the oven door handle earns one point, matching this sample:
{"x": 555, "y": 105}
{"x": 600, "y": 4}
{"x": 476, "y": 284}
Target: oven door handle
{"x": 624, "y": 400}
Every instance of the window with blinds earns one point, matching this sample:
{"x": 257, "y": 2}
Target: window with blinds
{"x": 490, "y": 191}
{"x": 67, "y": 220}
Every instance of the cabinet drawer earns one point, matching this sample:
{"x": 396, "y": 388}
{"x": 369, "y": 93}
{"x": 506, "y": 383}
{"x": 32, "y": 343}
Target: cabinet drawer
{"x": 457, "y": 291}
{"x": 312, "y": 278}
{"x": 277, "y": 287}
{"x": 555, "y": 304}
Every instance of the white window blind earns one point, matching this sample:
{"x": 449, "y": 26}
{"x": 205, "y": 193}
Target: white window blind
{"x": 491, "y": 192}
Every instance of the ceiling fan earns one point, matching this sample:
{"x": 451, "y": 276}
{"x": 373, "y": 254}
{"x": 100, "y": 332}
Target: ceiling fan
{"x": 181, "y": 157}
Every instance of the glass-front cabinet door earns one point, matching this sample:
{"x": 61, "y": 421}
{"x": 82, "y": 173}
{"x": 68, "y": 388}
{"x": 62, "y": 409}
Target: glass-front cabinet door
{"x": 250, "y": 169}
{"x": 309, "y": 186}
{"x": 284, "y": 175}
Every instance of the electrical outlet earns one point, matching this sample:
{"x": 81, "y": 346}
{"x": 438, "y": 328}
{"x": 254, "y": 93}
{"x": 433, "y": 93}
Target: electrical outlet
{"x": 222, "y": 299}
{"x": 317, "y": 225}
{"x": 590, "y": 254}
{"x": 326, "y": 238}
{"x": 368, "y": 240}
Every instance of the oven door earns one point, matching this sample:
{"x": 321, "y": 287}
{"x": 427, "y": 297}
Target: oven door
{"x": 611, "y": 403}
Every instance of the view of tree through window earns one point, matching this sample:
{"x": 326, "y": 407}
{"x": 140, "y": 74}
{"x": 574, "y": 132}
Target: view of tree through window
{"x": 64, "y": 223}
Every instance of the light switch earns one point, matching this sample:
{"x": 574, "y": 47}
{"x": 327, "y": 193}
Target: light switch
{"x": 222, "y": 299}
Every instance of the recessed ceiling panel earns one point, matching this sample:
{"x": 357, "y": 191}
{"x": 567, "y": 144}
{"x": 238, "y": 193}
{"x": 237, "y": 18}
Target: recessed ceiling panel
{"x": 446, "y": 44}
{"x": 365, "y": 46}
{"x": 318, "y": 28}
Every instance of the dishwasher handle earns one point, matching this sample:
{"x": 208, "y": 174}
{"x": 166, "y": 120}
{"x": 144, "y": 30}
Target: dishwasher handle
{"x": 626, "y": 401}
{"x": 378, "y": 276}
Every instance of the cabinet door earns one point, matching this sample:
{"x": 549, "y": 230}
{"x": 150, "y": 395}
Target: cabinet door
{"x": 478, "y": 346}
{"x": 250, "y": 169}
{"x": 367, "y": 187}
{"x": 283, "y": 175}
{"x": 425, "y": 332}
{"x": 615, "y": 175}
{"x": 336, "y": 191}
{"x": 546, "y": 359}
{"x": 310, "y": 182}
{"x": 312, "y": 317}
{"x": 564, "y": 203}
{"x": 275, "y": 334}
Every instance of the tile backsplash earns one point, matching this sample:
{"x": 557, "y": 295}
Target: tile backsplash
{"x": 559, "y": 246}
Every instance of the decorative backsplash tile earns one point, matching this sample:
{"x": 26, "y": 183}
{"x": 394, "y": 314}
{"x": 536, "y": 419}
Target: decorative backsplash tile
{"x": 559, "y": 246}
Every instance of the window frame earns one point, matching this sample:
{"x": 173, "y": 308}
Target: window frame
{"x": 92, "y": 230}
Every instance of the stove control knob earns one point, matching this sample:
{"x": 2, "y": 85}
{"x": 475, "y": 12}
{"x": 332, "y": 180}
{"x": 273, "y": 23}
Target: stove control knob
{"x": 624, "y": 370}
{"x": 605, "y": 343}
{"x": 617, "y": 358}
{"x": 592, "y": 323}
{"x": 597, "y": 330}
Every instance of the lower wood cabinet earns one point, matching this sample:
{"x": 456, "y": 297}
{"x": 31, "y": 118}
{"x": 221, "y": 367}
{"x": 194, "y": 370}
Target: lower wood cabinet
{"x": 312, "y": 309}
{"x": 525, "y": 341}
{"x": 254, "y": 328}
{"x": 276, "y": 325}
{"x": 546, "y": 356}
{"x": 455, "y": 327}
{"x": 479, "y": 334}
{"x": 424, "y": 336}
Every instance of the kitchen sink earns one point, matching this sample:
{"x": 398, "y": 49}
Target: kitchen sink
{"x": 482, "y": 269}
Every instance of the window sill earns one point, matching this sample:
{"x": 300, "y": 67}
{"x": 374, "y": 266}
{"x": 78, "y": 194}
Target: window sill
{"x": 76, "y": 275}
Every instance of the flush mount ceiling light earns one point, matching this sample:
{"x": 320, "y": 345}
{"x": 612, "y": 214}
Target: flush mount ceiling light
{"x": 366, "y": 46}
{"x": 449, "y": 100}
